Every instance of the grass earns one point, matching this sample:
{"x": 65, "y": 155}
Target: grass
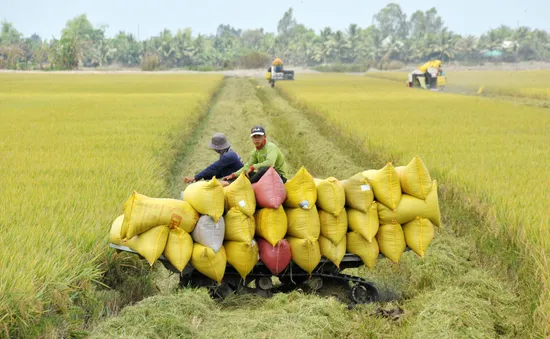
{"x": 191, "y": 313}
{"x": 492, "y": 151}
{"x": 73, "y": 149}
{"x": 342, "y": 68}
{"x": 455, "y": 291}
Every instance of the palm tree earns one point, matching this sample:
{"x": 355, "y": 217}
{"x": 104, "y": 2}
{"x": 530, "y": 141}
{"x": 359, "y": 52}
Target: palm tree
{"x": 340, "y": 46}
{"x": 184, "y": 48}
{"x": 353, "y": 46}
{"x": 466, "y": 46}
{"x": 166, "y": 49}
{"x": 443, "y": 47}
{"x": 328, "y": 45}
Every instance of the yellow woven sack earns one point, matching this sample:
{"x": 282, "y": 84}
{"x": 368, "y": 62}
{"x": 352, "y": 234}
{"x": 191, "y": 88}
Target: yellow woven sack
{"x": 242, "y": 256}
{"x": 179, "y": 248}
{"x": 333, "y": 252}
{"x": 359, "y": 193}
{"x": 267, "y": 75}
{"x": 271, "y": 224}
{"x": 226, "y": 206}
{"x": 419, "y": 233}
{"x": 150, "y": 244}
{"x": 385, "y": 184}
{"x": 301, "y": 191}
{"x": 333, "y": 228}
{"x": 366, "y": 224}
{"x": 305, "y": 253}
{"x": 206, "y": 197}
{"x": 114, "y": 234}
{"x": 141, "y": 213}
{"x": 367, "y": 251}
{"x": 410, "y": 207}
{"x": 240, "y": 194}
{"x": 208, "y": 262}
{"x": 391, "y": 240}
{"x": 430, "y": 64}
{"x": 303, "y": 223}
{"x": 331, "y": 196}
{"x": 239, "y": 226}
{"x": 415, "y": 179}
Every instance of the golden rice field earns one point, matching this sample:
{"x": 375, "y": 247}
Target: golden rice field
{"x": 73, "y": 147}
{"x": 496, "y": 152}
{"x": 533, "y": 84}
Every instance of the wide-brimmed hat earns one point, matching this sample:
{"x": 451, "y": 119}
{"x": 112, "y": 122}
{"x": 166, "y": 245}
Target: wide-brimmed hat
{"x": 219, "y": 142}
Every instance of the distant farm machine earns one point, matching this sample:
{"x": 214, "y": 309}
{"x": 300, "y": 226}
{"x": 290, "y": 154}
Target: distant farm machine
{"x": 428, "y": 76}
{"x": 276, "y": 72}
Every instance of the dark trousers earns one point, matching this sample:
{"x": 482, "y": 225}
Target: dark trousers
{"x": 256, "y": 175}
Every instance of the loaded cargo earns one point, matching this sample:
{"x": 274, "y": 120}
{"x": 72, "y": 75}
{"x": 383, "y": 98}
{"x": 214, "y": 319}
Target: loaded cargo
{"x": 305, "y": 231}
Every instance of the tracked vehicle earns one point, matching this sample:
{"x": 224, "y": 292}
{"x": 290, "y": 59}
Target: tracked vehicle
{"x": 325, "y": 279}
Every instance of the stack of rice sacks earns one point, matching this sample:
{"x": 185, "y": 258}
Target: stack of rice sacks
{"x": 362, "y": 217}
{"x": 387, "y": 192}
{"x": 373, "y": 212}
{"x": 390, "y": 209}
{"x": 240, "y": 246}
{"x": 156, "y": 226}
{"x": 271, "y": 221}
{"x": 331, "y": 200}
{"x": 209, "y": 255}
{"x": 303, "y": 220}
{"x": 417, "y": 210}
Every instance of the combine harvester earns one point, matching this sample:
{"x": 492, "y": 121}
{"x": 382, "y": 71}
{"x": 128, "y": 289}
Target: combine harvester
{"x": 276, "y": 72}
{"x": 325, "y": 279}
{"x": 428, "y": 76}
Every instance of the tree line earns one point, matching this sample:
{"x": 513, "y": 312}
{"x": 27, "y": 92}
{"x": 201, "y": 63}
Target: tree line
{"x": 390, "y": 40}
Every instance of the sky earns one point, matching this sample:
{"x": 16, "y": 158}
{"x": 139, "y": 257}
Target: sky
{"x": 148, "y": 18}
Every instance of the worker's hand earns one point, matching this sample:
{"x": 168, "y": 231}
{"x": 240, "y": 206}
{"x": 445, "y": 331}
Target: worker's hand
{"x": 188, "y": 179}
{"x": 248, "y": 171}
{"x": 229, "y": 177}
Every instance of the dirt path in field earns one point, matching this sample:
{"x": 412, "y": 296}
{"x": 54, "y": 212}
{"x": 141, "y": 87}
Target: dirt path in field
{"x": 228, "y": 113}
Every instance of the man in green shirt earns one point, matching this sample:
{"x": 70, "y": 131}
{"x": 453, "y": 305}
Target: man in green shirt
{"x": 266, "y": 155}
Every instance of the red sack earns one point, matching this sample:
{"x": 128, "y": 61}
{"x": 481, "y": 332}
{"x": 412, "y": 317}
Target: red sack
{"x": 269, "y": 190}
{"x": 277, "y": 258}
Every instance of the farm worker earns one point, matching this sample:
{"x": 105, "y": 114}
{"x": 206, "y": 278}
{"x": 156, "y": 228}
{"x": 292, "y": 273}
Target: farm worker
{"x": 265, "y": 155}
{"x": 228, "y": 163}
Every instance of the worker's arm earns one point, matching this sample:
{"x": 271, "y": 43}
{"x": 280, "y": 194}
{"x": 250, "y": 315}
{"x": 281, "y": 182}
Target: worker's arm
{"x": 269, "y": 161}
{"x": 251, "y": 160}
{"x": 214, "y": 169}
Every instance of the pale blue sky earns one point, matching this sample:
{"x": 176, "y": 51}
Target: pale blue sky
{"x": 47, "y": 18}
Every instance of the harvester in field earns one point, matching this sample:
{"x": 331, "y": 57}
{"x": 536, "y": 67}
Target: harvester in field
{"x": 276, "y": 72}
{"x": 428, "y": 76}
